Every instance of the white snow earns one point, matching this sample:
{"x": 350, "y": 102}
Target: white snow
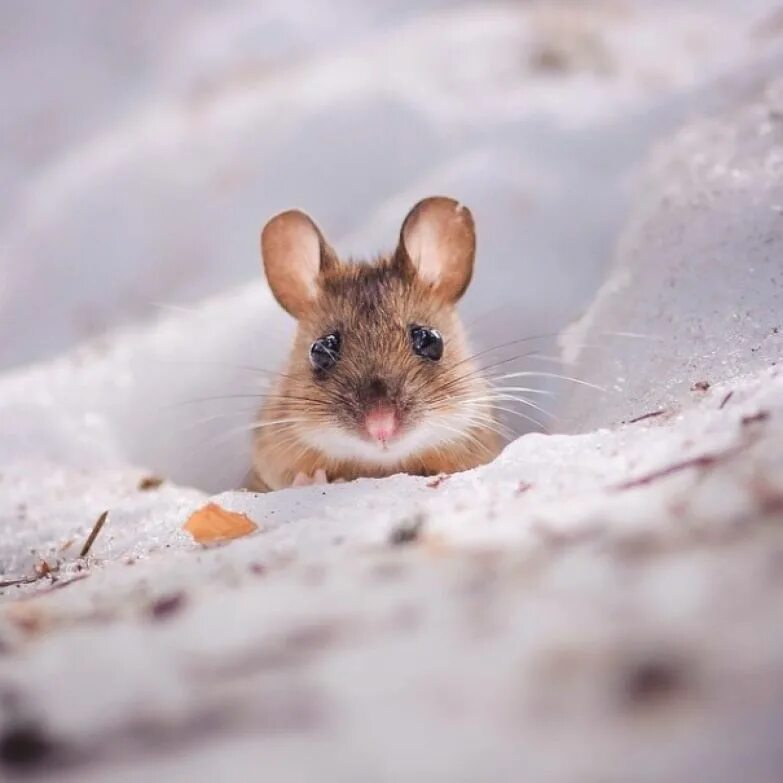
{"x": 597, "y": 604}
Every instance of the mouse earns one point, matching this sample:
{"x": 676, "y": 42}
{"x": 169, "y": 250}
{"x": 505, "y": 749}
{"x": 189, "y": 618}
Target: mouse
{"x": 380, "y": 378}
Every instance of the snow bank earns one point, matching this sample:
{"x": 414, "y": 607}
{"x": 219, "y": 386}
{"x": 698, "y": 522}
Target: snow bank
{"x": 604, "y": 602}
{"x": 698, "y": 276}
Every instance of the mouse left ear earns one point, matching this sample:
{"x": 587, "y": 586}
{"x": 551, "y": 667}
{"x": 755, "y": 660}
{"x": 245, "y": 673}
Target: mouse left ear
{"x": 295, "y": 255}
{"x": 438, "y": 238}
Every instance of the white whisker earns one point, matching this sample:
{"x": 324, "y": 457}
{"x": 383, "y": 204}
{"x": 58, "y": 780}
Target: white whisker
{"x": 524, "y": 416}
{"x": 535, "y": 374}
{"x": 487, "y": 423}
{"x": 209, "y": 419}
{"x": 225, "y": 435}
{"x": 527, "y": 389}
{"x": 512, "y": 398}
{"x": 461, "y": 434}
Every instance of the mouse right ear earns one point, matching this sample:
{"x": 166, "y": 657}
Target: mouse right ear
{"x": 294, "y": 253}
{"x": 438, "y": 240}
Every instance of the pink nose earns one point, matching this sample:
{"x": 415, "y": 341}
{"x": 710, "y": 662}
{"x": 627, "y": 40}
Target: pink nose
{"x": 381, "y": 424}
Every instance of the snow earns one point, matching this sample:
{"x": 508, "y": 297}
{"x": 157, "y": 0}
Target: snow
{"x": 597, "y": 604}
{"x": 352, "y": 115}
{"x": 698, "y": 270}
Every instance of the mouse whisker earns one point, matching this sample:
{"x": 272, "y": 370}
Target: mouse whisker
{"x": 449, "y": 384}
{"x": 492, "y": 389}
{"x": 217, "y": 417}
{"x": 260, "y": 425}
{"x": 544, "y": 358}
{"x": 493, "y": 404}
{"x": 226, "y": 435}
{"x": 300, "y": 453}
{"x": 486, "y": 422}
{"x": 525, "y": 416}
{"x": 462, "y": 435}
{"x": 471, "y": 359}
{"x": 286, "y": 443}
{"x": 528, "y": 389}
{"x": 502, "y": 396}
{"x": 518, "y": 357}
{"x": 550, "y": 336}
{"x": 564, "y": 333}
{"x": 535, "y": 354}
{"x": 231, "y": 414}
{"x": 217, "y": 398}
{"x": 537, "y": 374}
{"x": 227, "y": 365}
{"x": 473, "y": 374}
{"x": 512, "y": 398}
{"x": 527, "y": 354}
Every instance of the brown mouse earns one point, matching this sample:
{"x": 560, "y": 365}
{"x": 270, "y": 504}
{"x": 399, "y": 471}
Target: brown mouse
{"x": 380, "y": 379}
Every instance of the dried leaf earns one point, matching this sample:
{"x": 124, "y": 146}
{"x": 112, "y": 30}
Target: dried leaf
{"x": 42, "y": 568}
{"x": 213, "y": 523}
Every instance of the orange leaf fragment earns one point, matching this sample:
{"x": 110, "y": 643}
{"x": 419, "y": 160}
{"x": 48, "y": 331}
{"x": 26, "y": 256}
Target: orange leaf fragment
{"x": 213, "y": 523}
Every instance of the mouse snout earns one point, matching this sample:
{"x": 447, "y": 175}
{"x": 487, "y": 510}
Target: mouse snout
{"x": 382, "y": 424}
{"x": 381, "y": 417}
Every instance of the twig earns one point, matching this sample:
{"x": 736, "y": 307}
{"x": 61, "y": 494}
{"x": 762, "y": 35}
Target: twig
{"x": 703, "y": 461}
{"x": 61, "y": 583}
{"x": 646, "y": 416}
{"x": 725, "y": 400}
{"x": 41, "y": 571}
{"x": 96, "y": 528}
{"x": 24, "y": 580}
{"x": 754, "y": 417}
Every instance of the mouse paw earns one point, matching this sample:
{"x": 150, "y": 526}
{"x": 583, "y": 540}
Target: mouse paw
{"x": 303, "y": 480}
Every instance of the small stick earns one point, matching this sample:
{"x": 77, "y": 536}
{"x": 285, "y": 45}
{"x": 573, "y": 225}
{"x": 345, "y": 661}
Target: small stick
{"x": 93, "y": 534}
{"x": 646, "y": 416}
{"x": 725, "y": 400}
{"x": 24, "y": 580}
{"x": 754, "y": 417}
{"x": 703, "y": 461}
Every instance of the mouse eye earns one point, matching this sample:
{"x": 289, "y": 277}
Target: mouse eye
{"x": 426, "y": 342}
{"x": 325, "y": 351}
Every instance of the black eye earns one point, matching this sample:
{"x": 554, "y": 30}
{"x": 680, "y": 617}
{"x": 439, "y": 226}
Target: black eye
{"x": 426, "y": 342}
{"x": 325, "y": 351}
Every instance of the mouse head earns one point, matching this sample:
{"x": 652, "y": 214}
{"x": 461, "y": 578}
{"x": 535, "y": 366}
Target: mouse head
{"x": 380, "y": 368}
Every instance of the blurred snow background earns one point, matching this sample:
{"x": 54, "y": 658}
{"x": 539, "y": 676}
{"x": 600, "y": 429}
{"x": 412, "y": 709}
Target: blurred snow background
{"x": 148, "y": 144}
{"x": 572, "y": 605}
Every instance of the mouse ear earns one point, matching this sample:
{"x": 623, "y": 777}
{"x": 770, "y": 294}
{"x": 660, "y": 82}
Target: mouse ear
{"x": 438, "y": 238}
{"x": 294, "y": 254}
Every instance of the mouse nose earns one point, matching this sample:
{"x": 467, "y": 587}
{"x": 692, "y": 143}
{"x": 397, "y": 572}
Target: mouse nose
{"x": 382, "y": 424}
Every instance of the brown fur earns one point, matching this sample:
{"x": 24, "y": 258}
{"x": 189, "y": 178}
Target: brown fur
{"x": 373, "y": 306}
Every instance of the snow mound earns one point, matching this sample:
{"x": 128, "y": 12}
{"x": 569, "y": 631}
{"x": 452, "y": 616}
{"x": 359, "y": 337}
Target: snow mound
{"x": 581, "y": 592}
